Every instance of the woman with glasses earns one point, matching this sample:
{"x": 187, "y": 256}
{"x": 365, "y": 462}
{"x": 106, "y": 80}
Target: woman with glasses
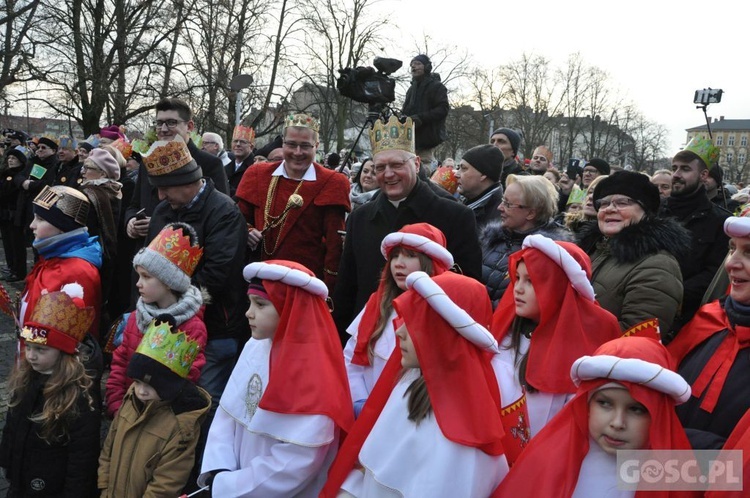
{"x": 529, "y": 206}
{"x": 636, "y": 276}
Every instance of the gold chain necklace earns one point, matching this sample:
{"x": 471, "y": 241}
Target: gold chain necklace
{"x": 269, "y": 221}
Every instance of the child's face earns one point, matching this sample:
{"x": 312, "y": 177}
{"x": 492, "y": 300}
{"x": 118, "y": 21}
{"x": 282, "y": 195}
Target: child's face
{"x": 43, "y": 229}
{"x": 152, "y": 290}
{"x": 408, "y": 353}
{"x": 617, "y": 421}
{"x": 403, "y": 262}
{"x": 42, "y": 359}
{"x": 574, "y": 207}
{"x": 527, "y": 305}
{"x": 145, "y": 392}
{"x": 262, "y": 317}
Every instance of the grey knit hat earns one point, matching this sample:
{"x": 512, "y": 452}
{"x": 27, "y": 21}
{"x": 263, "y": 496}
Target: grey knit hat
{"x": 171, "y": 261}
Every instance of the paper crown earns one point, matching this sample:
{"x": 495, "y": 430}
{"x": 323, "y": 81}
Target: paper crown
{"x": 705, "y": 149}
{"x": 165, "y": 157}
{"x": 93, "y": 140}
{"x": 174, "y": 350}
{"x": 123, "y": 146}
{"x": 577, "y": 195}
{"x": 393, "y": 135}
{"x": 445, "y": 176}
{"x": 245, "y": 133}
{"x": 67, "y": 142}
{"x": 69, "y": 201}
{"x": 174, "y": 244}
{"x": 59, "y": 319}
{"x": 301, "y": 120}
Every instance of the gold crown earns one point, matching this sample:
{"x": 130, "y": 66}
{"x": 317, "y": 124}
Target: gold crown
{"x": 246, "y": 133}
{"x": 59, "y": 321}
{"x": 165, "y": 157}
{"x": 70, "y": 201}
{"x": 175, "y": 245}
{"x": 393, "y": 135}
{"x": 174, "y": 350}
{"x": 302, "y": 120}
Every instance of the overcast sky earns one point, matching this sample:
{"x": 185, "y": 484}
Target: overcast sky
{"x": 657, "y": 52}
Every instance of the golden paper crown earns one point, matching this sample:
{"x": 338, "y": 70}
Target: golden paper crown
{"x": 59, "y": 320}
{"x": 246, "y": 133}
{"x": 165, "y": 157}
{"x": 70, "y": 201}
{"x": 393, "y": 135}
{"x": 174, "y": 244}
{"x": 174, "y": 350}
{"x": 302, "y": 120}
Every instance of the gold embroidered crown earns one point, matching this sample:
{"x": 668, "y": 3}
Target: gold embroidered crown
{"x": 165, "y": 157}
{"x": 174, "y": 350}
{"x": 174, "y": 244}
{"x": 302, "y": 120}
{"x": 59, "y": 320}
{"x": 246, "y": 133}
{"x": 393, "y": 135}
{"x": 70, "y": 201}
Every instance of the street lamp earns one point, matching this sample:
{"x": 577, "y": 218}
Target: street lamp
{"x": 236, "y": 85}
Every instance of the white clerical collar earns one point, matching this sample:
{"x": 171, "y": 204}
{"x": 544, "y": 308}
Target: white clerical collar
{"x": 237, "y": 165}
{"x": 309, "y": 175}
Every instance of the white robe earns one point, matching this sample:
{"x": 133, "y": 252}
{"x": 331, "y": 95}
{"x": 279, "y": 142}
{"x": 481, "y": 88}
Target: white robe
{"x": 363, "y": 378}
{"x": 269, "y": 454}
{"x": 598, "y": 475}
{"x": 542, "y": 406}
{"x": 406, "y": 460}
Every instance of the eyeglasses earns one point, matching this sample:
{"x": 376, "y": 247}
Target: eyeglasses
{"x": 294, "y": 145}
{"x": 618, "y": 203}
{"x": 171, "y": 123}
{"x": 510, "y": 205}
{"x": 210, "y": 143}
{"x": 90, "y": 168}
{"x": 393, "y": 165}
{"x": 590, "y": 171}
{"x": 42, "y": 147}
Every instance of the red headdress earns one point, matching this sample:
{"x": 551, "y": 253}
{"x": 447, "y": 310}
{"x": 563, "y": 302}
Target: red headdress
{"x": 552, "y": 460}
{"x": 420, "y": 237}
{"x": 572, "y": 323}
{"x": 306, "y": 373}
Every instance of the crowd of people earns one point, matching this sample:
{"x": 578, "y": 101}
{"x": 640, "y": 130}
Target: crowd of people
{"x": 271, "y": 326}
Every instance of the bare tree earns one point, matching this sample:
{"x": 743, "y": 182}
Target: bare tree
{"x": 18, "y": 47}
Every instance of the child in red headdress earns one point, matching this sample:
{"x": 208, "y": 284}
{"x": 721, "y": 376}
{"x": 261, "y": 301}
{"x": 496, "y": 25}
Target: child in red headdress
{"x": 434, "y": 427}
{"x": 420, "y": 246}
{"x": 547, "y": 319}
{"x": 50, "y": 443}
{"x": 625, "y": 401}
{"x": 287, "y": 402}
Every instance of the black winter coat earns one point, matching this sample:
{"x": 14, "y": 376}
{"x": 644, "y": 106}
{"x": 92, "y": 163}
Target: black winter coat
{"x": 362, "y": 262}
{"x": 34, "y": 467}
{"x": 426, "y": 102}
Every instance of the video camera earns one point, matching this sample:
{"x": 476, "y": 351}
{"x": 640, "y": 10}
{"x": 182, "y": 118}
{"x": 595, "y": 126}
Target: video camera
{"x": 364, "y": 84}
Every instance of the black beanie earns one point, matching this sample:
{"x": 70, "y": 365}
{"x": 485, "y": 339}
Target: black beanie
{"x": 424, "y": 60}
{"x": 48, "y": 142}
{"x": 634, "y": 185}
{"x": 717, "y": 174}
{"x": 601, "y": 165}
{"x": 86, "y": 145}
{"x": 18, "y": 154}
{"x": 514, "y": 137}
{"x": 166, "y": 383}
{"x": 487, "y": 159}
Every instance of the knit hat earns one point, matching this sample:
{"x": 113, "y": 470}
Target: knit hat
{"x": 86, "y": 145}
{"x": 163, "y": 358}
{"x": 59, "y": 319}
{"x": 601, "y": 165}
{"x": 19, "y": 153}
{"x": 514, "y": 137}
{"x": 717, "y": 174}
{"x": 169, "y": 164}
{"x": 172, "y": 256}
{"x": 424, "y": 60}
{"x": 49, "y": 142}
{"x": 105, "y": 162}
{"x": 635, "y": 185}
{"x": 487, "y": 159}
{"x": 64, "y": 207}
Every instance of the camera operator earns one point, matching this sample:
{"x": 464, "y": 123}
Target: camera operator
{"x": 427, "y": 105}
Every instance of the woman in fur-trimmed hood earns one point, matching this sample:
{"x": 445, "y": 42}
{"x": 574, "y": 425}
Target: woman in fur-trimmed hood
{"x": 633, "y": 253}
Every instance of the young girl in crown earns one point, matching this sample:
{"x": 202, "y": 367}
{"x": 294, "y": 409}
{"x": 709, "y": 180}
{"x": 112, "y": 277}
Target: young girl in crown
{"x": 50, "y": 441}
{"x": 546, "y": 320}
{"x": 286, "y": 405}
{"x": 625, "y": 400}
{"x": 433, "y": 424}
{"x": 415, "y": 247}
{"x": 164, "y": 270}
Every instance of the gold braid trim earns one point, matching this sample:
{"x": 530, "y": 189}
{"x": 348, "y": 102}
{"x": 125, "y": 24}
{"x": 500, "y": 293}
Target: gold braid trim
{"x": 269, "y": 221}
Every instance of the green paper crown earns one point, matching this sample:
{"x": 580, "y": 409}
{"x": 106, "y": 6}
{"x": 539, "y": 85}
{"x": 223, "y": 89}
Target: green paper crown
{"x": 577, "y": 195}
{"x": 173, "y": 350}
{"x": 705, "y": 149}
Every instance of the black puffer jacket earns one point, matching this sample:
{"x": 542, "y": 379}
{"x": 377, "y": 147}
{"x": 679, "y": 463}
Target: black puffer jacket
{"x": 427, "y": 104}
{"x": 499, "y": 243}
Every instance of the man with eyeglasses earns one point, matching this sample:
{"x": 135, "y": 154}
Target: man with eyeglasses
{"x": 403, "y": 199}
{"x": 592, "y": 169}
{"x": 42, "y": 167}
{"x": 243, "y": 144}
{"x": 306, "y": 231}
{"x": 213, "y": 144}
{"x": 69, "y": 172}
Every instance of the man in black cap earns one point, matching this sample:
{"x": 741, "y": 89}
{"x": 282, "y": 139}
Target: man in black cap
{"x": 427, "y": 105}
{"x": 595, "y": 167}
{"x": 479, "y": 182}
{"x": 508, "y": 141}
